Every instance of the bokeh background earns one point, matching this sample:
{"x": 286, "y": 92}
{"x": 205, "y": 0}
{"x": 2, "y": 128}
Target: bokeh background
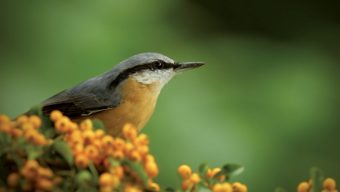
{"x": 268, "y": 97}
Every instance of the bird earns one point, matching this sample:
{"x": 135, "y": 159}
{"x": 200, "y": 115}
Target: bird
{"x": 126, "y": 94}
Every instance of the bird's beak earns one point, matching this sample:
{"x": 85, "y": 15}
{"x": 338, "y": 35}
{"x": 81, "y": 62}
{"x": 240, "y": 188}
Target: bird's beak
{"x": 185, "y": 66}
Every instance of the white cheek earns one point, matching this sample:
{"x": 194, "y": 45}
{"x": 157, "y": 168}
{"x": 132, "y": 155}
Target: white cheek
{"x": 157, "y": 76}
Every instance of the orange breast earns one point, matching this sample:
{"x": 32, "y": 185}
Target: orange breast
{"x": 137, "y": 105}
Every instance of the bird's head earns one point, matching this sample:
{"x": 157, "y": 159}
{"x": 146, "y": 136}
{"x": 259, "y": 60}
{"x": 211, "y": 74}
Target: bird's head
{"x": 150, "y": 68}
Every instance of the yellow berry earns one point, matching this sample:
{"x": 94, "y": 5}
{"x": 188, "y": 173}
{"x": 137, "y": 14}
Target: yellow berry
{"x": 35, "y": 121}
{"x": 186, "y": 184}
{"x": 45, "y": 184}
{"x": 4, "y": 119}
{"x": 91, "y": 151}
{"x": 45, "y": 172}
{"x": 135, "y": 156}
{"x": 185, "y": 171}
{"x": 62, "y": 124}
{"x": 118, "y": 143}
{"x": 222, "y": 187}
{"x": 329, "y": 184}
{"x": 13, "y": 179}
{"x": 303, "y": 187}
{"x": 130, "y": 188}
{"x": 88, "y": 135}
{"x": 86, "y": 125}
{"x": 22, "y": 119}
{"x": 32, "y": 164}
{"x": 16, "y": 132}
{"x": 142, "y": 139}
{"x": 107, "y": 140}
{"x": 99, "y": 133}
{"x": 117, "y": 171}
{"x": 129, "y": 131}
{"x": 106, "y": 189}
{"x": 105, "y": 179}
{"x": 118, "y": 154}
{"x": 195, "y": 178}
{"x": 154, "y": 186}
{"x": 238, "y": 187}
{"x": 151, "y": 169}
{"x": 55, "y": 115}
{"x": 81, "y": 161}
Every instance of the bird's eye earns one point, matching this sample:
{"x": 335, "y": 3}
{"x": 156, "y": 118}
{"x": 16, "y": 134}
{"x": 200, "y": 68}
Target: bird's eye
{"x": 158, "y": 65}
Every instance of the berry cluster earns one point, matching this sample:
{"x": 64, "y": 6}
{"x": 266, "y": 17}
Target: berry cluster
{"x": 329, "y": 185}
{"x": 210, "y": 178}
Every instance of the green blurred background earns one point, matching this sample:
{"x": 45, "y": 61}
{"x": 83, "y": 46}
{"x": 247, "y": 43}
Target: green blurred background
{"x": 268, "y": 97}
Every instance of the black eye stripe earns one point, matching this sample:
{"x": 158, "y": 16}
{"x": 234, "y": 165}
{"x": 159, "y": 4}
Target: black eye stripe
{"x": 151, "y": 66}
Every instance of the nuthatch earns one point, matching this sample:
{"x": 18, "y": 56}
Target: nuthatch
{"x": 126, "y": 94}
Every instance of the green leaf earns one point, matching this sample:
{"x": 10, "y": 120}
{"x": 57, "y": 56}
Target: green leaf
{"x": 113, "y": 162}
{"x": 98, "y": 124}
{"x": 229, "y": 170}
{"x": 33, "y": 152}
{"x": 317, "y": 177}
{"x": 93, "y": 170}
{"x": 84, "y": 176}
{"x": 202, "y": 169}
{"x": 139, "y": 169}
{"x": 64, "y": 150}
{"x": 35, "y": 110}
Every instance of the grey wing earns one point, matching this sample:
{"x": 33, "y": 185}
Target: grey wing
{"x": 80, "y": 103}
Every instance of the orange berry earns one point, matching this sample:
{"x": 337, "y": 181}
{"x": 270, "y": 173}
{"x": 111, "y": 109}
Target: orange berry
{"x": 329, "y": 184}
{"x": 130, "y": 188}
{"x": 118, "y": 143}
{"x": 22, "y": 119}
{"x": 16, "y": 132}
{"x": 142, "y": 139}
{"x": 56, "y": 115}
{"x": 105, "y": 179}
{"x": 99, "y": 133}
{"x": 118, "y": 154}
{"x": 81, "y": 160}
{"x": 195, "y": 178}
{"x": 39, "y": 139}
{"x": 117, "y": 171}
{"x": 45, "y": 184}
{"x": 184, "y": 171}
{"x": 107, "y": 141}
{"x": 4, "y": 127}
{"x": 222, "y": 187}
{"x": 154, "y": 186}
{"x": 86, "y": 125}
{"x": 77, "y": 148}
{"x": 106, "y": 189}
{"x": 186, "y": 184}
{"x": 88, "y": 135}
{"x": 35, "y": 121}
{"x": 303, "y": 187}
{"x": 151, "y": 169}
{"x": 13, "y": 179}
{"x": 143, "y": 150}
{"x": 91, "y": 151}
{"x": 32, "y": 164}
{"x": 129, "y": 131}
{"x": 135, "y": 156}
{"x": 45, "y": 172}
{"x": 62, "y": 124}
{"x": 4, "y": 118}
{"x": 128, "y": 147}
{"x": 150, "y": 158}
{"x": 238, "y": 187}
